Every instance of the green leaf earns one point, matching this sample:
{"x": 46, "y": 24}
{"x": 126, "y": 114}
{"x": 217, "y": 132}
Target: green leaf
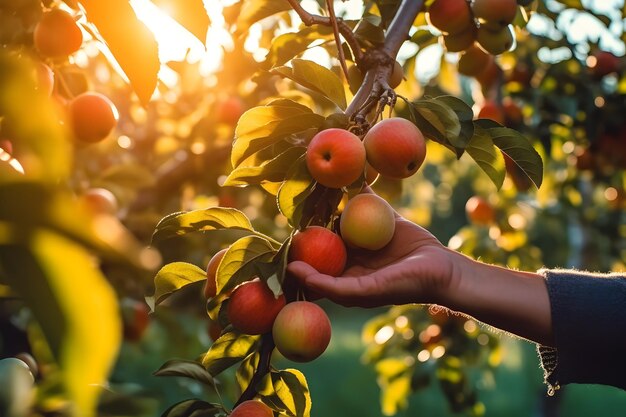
{"x": 191, "y": 14}
{"x": 127, "y": 175}
{"x": 289, "y": 45}
{"x": 294, "y": 192}
{"x": 229, "y": 349}
{"x": 289, "y": 391}
{"x": 254, "y": 10}
{"x": 518, "y": 148}
{"x": 74, "y": 305}
{"x": 214, "y": 218}
{"x": 466, "y": 118}
{"x": 130, "y": 41}
{"x": 193, "y": 408}
{"x": 273, "y": 170}
{"x": 186, "y": 369}
{"x": 438, "y": 121}
{"x": 369, "y": 30}
{"x": 174, "y": 276}
{"x": 263, "y": 126}
{"x": 237, "y": 265}
{"x": 246, "y": 370}
{"x": 487, "y": 156}
{"x": 315, "y": 77}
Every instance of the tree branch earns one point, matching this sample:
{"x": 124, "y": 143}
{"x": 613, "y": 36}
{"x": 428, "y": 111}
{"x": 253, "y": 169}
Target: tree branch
{"x": 379, "y": 62}
{"x": 311, "y": 19}
{"x": 333, "y": 19}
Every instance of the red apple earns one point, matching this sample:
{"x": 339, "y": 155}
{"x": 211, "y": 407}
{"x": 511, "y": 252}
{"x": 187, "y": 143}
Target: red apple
{"x": 253, "y": 307}
{"x": 335, "y": 158}
{"x": 252, "y": 408}
{"x": 320, "y": 248}
{"x": 301, "y": 331}
{"x": 93, "y": 117}
{"x": 367, "y": 222}
{"x": 479, "y": 211}
{"x": 450, "y": 16}
{"x": 395, "y": 147}
{"x": 57, "y": 34}
{"x": 210, "y": 287}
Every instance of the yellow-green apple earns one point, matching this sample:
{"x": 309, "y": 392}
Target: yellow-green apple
{"x": 367, "y": 222}
{"x": 495, "y": 11}
{"x": 252, "y": 307}
{"x": 92, "y": 117}
{"x": 450, "y": 16}
{"x": 496, "y": 41}
{"x": 335, "y": 158}
{"x": 397, "y": 75}
{"x": 57, "y": 34}
{"x": 45, "y": 78}
{"x": 458, "y": 42}
{"x": 16, "y": 388}
{"x": 301, "y": 331}
{"x": 473, "y": 61}
{"x": 252, "y": 408}
{"x": 395, "y": 147}
{"x": 320, "y": 248}
{"x": 210, "y": 287}
{"x": 479, "y": 211}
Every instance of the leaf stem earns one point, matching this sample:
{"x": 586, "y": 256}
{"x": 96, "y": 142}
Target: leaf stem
{"x": 265, "y": 352}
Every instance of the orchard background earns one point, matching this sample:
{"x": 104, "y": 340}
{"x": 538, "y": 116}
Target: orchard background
{"x": 113, "y": 204}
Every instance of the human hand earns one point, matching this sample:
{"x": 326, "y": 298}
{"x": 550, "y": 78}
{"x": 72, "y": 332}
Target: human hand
{"x": 413, "y": 268}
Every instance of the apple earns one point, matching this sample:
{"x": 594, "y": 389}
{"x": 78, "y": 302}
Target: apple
{"x": 92, "y": 117}
{"x": 335, "y": 158}
{"x": 320, "y": 248}
{"x": 214, "y": 329}
{"x": 479, "y": 211}
{"x": 495, "y": 11}
{"x": 473, "y": 61}
{"x": 252, "y": 408}
{"x": 603, "y": 63}
{"x": 395, "y": 147}
{"x": 16, "y": 388}
{"x": 491, "y": 110}
{"x": 496, "y": 41}
{"x": 513, "y": 115}
{"x": 450, "y": 16}
{"x": 99, "y": 201}
{"x": 210, "y": 287}
{"x": 6, "y": 146}
{"x": 397, "y": 75}
{"x": 490, "y": 75}
{"x": 367, "y": 222}
{"x": 371, "y": 175}
{"x": 253, "y": 307}
{"x": 230, "y": 110}
{"x": 458, "y": 42}
{"x": 135, "y": 317}
{"x": 301, "y": 331}
{"x": 57, "y": 34}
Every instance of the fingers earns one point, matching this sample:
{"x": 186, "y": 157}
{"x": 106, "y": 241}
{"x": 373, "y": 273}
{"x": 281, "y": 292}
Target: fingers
{"x": 348, "y": 291}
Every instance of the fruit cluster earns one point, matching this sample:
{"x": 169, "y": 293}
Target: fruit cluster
{"x": 335, "y": 158}
{"x": 56, "y": 36}
{"x": 479, "y": 29}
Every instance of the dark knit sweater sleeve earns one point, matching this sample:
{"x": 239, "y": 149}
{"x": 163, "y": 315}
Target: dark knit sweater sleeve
{"x": 589, "y": 325}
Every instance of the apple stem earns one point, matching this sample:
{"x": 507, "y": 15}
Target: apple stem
{"x": 264, "y": 367}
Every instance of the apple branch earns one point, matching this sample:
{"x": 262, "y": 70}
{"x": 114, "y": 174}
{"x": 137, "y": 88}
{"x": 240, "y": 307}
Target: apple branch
{"x": 265, "y": 352}
{"x": 378, "y": 63}
{"x": 311, "y": 19}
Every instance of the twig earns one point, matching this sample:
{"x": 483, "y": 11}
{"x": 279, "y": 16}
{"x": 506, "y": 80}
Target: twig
{"x": 267, "y": 347}
{"x": 333, "y": 19}
{"x": 379, "y": 63}
{"x": 311, "y": 19}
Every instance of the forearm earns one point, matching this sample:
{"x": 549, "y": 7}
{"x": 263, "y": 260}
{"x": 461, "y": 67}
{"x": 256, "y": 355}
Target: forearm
{"x": 514, "y": 301}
